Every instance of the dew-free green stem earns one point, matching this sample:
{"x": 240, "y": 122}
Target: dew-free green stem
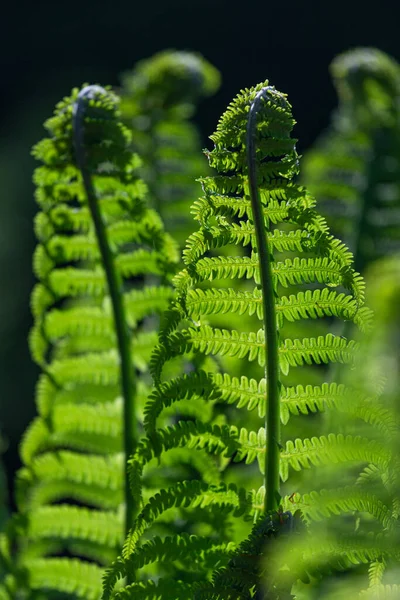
{"x": 115, "y": 288}
{"x": 272, "y": 416}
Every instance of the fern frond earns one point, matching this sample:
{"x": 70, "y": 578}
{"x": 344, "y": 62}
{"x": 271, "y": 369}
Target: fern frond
{"x": 220, "y": 440}
{"x": 250, "y": 394}
{"x": 310, "y": 563}
{"x": 188, "y": 495}
{"x": 91, "y": 335}
{"x": 243, "y": 576}
{"x": 302, "y": 253}
{"x": 292, "y": 353}
{"x": 95, "y": 470}
{"x": 158, "y": 98}
{"x": 300, "y": 400}
{"x": 292, "y": 226}
{"x": 96, "y": 238}
{"x": 375, "y": 573}
{"x": 78, "y": 431}
{"x": 192, "y": 386}
{"x": 304, "y": 305}
{"x": 31, "y": 493}
{"x": 350, "y": 168}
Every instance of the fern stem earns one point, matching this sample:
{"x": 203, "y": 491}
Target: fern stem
{"x": 272, "y": 415}
{"x": 115, "y": 288}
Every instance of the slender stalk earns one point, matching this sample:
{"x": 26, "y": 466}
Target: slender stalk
{"x": 272, "y": 416}
{"x": 115, "y": 288}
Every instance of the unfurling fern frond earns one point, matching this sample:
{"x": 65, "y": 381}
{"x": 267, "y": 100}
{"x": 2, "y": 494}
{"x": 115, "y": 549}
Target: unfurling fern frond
{"x": 354, "y": 168}
{"x": 292, "y": 227}
{"x": 91, "y": 335}
{"x": 252, "y": 203}
{"x": 158, "y": 99}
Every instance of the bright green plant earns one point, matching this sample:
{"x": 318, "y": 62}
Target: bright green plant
{"x": 251, "y": 201}
{"x": 96, "y": 238}
{"x": 158, "y": 100}
{"x": 355, "y": 530}
{"x": 212, "y": 445}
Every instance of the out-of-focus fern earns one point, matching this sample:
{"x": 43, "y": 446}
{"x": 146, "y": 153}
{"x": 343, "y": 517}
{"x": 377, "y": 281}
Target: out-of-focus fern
{"x": 356, "y": 529}
{"x": 97, "y": 239}
{"x": 256, "y": 160}
{"x": 159, "y": 98}
{"x": 354, "y": 168}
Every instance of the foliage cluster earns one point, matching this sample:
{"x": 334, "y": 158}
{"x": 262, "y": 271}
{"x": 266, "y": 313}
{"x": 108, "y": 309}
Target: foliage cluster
{"x": 220, "y": 422}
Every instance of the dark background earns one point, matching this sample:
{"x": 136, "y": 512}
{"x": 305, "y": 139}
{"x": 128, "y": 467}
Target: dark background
{"x": 48, "y": 47}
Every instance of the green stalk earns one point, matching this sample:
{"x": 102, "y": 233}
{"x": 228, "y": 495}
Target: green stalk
{"x": 115, "y": 288}
{"x": 272, "y": 415}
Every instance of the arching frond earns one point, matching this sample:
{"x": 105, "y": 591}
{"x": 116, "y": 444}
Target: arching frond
{"x": 304, "y": 255}
{"x": 98, "y": 240}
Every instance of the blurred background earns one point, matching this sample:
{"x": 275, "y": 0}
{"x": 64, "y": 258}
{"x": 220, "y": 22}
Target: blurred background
{"x": 47, "y": 48}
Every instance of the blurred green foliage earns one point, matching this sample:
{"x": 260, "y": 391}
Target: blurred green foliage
{"x": 354, "y": 170}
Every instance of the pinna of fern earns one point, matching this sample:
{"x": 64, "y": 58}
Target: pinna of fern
{"x": 255, "y": 158}
{"x": 159, "y": 97}
{"x": 354, "y": 167}
{"x": 97, "y": 239}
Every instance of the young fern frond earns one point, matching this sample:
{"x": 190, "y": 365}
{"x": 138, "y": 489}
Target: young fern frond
{"x": 354, "y": 167}
{"x": 159, "y": 98}
{"x": 252, "y": 202}
{"x": 97, "y": 239}
{"x": 328, "y": 264}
